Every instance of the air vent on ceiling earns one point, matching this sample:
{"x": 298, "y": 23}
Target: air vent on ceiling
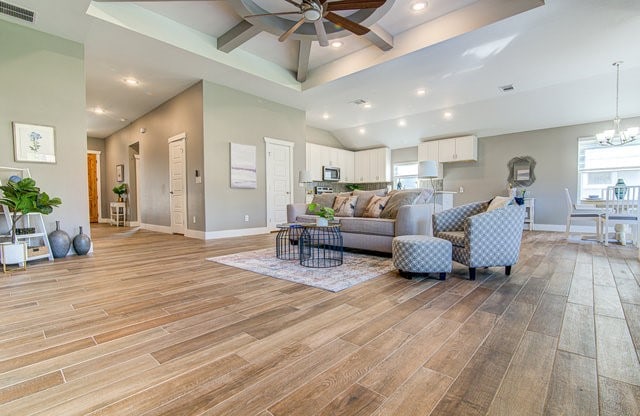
{"x": 359, "y": 101}
{"x": 15, "y": 11}
{"x": 507, "y": 88}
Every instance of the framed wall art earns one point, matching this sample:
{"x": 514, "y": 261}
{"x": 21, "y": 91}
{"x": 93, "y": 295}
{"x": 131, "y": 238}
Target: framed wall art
{"x": 243, "y": 166}
{"x": 119, "y": 173}
{"x": 34, "y": 143}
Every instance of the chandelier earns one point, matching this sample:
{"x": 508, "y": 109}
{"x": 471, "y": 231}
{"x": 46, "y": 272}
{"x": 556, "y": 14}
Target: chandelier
{"x": 617, "y": 136}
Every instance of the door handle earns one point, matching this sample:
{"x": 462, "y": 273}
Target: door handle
{"x": 171, "y": 192}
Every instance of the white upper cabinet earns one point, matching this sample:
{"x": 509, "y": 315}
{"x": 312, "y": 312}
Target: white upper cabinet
{"x": 346, "y": 165}
{"x": 458, "y": 149}
{"x": 428, "y": 150}
{"x": 318, "y": 156}
{"x": 373, "y": 165}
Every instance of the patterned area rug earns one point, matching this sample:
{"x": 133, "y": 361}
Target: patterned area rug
{"x": 356, "y": 268}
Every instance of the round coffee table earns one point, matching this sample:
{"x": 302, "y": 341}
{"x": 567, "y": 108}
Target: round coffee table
{"x": 287, "y": 241}
{"x": 321, "y": 245}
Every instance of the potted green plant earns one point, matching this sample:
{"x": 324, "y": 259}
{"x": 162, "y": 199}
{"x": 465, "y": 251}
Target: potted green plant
{"x": 120, "y": 190}
{"x": 22, "y": 197}
{"x": 325, "y": 214}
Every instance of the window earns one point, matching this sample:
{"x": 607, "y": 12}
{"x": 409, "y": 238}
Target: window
{"x": 405, "y": 175}
{"x": 602, "y": 166}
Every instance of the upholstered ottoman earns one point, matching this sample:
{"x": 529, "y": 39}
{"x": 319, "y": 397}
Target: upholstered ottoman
{"x": 420, "y": 254}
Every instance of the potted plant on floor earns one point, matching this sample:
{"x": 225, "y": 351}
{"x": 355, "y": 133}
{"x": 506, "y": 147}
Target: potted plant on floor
{"x": 120, "y": 190}
{"x": 325, "y": 214}
{"x": 22, "y": 197}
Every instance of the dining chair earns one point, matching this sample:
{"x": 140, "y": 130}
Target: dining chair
{"x": 575, "y": 213}
{"x": 622, "y": 209}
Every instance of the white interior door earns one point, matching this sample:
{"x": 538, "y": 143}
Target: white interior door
{"x": 279, "y": 181}
{"x": 178, "y": 184}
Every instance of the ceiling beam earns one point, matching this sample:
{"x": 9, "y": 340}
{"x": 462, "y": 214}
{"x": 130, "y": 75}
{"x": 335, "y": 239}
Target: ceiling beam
{"x": 303, "y": 60}
{"x": 379, "y": 37}
{"x": 236, "y": 36}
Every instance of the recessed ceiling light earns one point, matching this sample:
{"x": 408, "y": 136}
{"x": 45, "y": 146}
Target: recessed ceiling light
{"x": 123, "y": 119}
{"x": 367, "y": 105}
{"x": 325, "y": 116}
{"x": 419, "y": 6}
{"x": 131, "y": 82}
{"x": 421, "y": 91}
{"x": 98, "y": 110}
{"x": 336, "y": 44}
{"x": 362, "y": 130}
{"x": 402, "y": 122}
{"x": 448, "y": 115}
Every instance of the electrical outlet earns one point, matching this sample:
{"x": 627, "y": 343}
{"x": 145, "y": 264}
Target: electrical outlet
{"x": 194, "y": 219}
{"x": 461, "y": 190}
{"x": 246, "y": 218}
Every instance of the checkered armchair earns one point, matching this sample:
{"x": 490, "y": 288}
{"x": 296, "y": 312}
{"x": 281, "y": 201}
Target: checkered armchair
{"x": 480, "y": 238}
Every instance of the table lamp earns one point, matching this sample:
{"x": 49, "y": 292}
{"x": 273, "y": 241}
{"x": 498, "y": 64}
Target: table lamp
{"x": 429, "y": 169}
{"x": 304, "y": 176}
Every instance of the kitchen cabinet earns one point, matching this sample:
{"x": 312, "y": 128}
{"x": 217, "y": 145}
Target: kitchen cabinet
{"x": 458, "y": 149}
{"x": 318, "y": 156}
{"x": 346, "y": 164}
{"x": 373, "y": 165}
{"x": 429, "y": 151}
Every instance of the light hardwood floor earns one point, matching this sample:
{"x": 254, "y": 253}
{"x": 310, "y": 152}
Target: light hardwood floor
{"x": 147, "y": 326}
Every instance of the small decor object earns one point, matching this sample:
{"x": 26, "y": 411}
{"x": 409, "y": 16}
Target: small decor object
{"x": 59, "y": 241}
{"x": 81, "y": 243}
{"x": 119, "y": 173}
{"x": 24, "y": 197}
{"x": 520, "y": 199}
{"x": 34, "y": 143}
{"x": 620, "y": 190}
{"x": 243, "y": 166}
{"x": 120, "y": 190}
{"x": 325, "y": 214}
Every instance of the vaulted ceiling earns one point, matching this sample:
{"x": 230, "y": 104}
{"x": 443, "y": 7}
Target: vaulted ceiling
{"x": 426, "y": 74}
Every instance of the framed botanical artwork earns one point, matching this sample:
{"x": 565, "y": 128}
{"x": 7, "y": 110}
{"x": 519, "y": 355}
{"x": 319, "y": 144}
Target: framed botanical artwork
{"x": 34, "y": 143}
{"x": 119, "y": 173}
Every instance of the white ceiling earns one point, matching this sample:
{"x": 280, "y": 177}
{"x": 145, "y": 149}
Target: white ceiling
{"x": 558, "y": 57}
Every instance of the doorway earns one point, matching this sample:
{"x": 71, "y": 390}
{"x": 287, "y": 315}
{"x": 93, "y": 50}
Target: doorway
{"x": 93, "y": 184}
{"x": 279, "y": 165}
{"x": 178, "y": 183}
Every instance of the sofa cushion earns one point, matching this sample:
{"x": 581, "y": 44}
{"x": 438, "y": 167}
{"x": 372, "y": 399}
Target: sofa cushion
{"x": 375, "y": 207}
{"x": 405, "y": 197}
{"x": 345, "y": 206}
{"x": 499, "y": 202}
{"x": 363, "y": 199}
{"x": 323, "y": 200}
{"x": 372, "y": 226}
{"x": 457, "y": 238}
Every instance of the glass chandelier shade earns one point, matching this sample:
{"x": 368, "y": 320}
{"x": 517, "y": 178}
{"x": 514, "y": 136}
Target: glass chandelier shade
{"x": 617, "y": 136}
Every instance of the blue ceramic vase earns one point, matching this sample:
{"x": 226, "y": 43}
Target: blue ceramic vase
{"x": 620, "y": 190}
{"x": 81, "y": 243}
{"x": 59, "y": 241}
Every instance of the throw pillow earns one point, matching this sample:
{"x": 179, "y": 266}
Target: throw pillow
{"x": 345, "y": 206}
{"x": 323, "y": 200}
{"x": 398, "y": 199}
{"x": 363, "y": 199}
{"x": 499, "y": 202}
{"x": 375, "y": 207}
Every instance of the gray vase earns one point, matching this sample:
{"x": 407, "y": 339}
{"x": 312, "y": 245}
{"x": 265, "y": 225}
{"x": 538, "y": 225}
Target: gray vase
{"x": 59, "y": 241}
{"x": 81, "y": 243}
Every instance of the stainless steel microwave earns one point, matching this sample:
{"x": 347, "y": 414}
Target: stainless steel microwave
{"x": 330, "y": 173}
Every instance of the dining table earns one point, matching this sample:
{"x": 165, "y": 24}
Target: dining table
{"x": 621, "y": 230}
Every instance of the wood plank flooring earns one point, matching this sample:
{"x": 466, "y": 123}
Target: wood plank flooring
{"x": 146, "y": 326}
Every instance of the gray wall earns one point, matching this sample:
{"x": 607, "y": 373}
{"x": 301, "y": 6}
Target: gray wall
{"x": 556, "y": 153}
{"x": 322, "y": 137}
{"x": 42, "y": 82}
{"x": 182, "y": 113}
{"x": 233, "y": 116}
{"x": 98, "y": 145}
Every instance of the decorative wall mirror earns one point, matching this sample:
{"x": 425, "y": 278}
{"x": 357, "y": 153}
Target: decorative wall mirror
{"x": 521, "y": 171}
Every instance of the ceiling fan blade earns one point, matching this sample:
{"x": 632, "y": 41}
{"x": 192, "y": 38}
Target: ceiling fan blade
{"x": 345, "y": 23}
{"x": 293, "y": 2}
{"x": 353, "y": 4}
{"x": 289, "y": 32}
{"x": 322, "y": 34}
{"x": 270, "y": 14}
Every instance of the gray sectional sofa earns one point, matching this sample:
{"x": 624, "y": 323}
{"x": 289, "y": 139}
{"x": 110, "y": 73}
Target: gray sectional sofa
{"x": 375, "y": 234}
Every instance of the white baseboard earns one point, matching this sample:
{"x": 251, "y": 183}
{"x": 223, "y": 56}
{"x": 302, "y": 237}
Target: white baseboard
{"x": 210, "y": 235}
{"x": 561, "y": 228}
{"x": 133, "y": 223}
{"x": 104, "y": 220}
{"x": 195, "y": 234}
{"x": 156, "y": 228}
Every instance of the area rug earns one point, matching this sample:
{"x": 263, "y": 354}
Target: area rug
{"x": 356, "y": 268}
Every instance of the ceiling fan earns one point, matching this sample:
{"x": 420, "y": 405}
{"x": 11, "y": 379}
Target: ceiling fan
{"x": 313, "y": 11}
